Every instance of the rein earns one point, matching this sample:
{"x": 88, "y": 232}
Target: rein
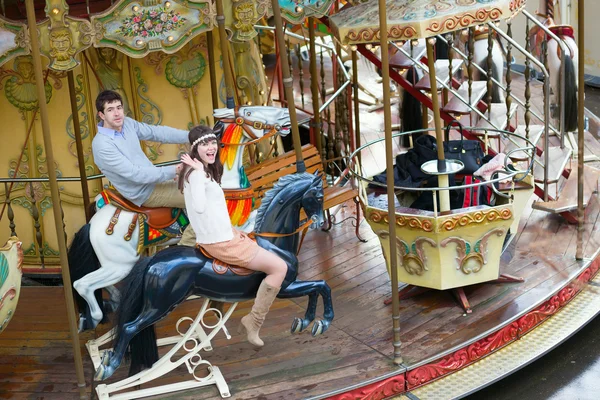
{"x": 303, "y": 228}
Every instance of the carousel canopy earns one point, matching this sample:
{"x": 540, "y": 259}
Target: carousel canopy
{"x": 413, "y": 19}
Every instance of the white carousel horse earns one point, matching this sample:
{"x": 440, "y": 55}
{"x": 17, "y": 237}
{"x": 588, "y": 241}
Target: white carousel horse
{"x": 104, "y": 250}
{"x": 11, "y": 259}
{"x": 545, "y": 15}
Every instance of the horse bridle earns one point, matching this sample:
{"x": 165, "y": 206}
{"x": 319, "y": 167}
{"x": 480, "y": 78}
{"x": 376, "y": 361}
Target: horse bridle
{"x": 246, "y": 124}
{"x": 303, "y": 228}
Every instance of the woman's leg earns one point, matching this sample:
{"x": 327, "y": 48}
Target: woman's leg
{"x": 275, "y": 268}
{"x": 270, "y": 264}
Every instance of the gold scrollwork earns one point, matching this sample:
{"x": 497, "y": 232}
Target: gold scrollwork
{"x": 412, "y": 258}
{"x": 402, "y": 221}
{"x": 476, "y": 218}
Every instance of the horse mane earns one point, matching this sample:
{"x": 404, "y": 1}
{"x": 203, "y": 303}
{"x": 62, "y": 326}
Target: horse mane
{"x": 282, "y": 183}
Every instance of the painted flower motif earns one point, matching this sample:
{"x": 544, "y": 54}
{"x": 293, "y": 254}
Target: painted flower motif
{"x": 151, "y": 23}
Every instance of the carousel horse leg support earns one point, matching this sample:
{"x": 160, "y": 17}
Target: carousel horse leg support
{"x": 311, "y": 289}
{"x": 170, "y": 361}
{"x": 96, "y": 354}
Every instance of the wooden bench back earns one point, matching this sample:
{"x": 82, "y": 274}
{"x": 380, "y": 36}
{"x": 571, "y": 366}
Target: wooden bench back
{"x": 264, "y": 175}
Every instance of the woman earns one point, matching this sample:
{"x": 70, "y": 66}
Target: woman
{"x": 199, "y": 181}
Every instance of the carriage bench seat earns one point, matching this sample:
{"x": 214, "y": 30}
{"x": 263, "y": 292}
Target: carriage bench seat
{"x": 263, "y": 177}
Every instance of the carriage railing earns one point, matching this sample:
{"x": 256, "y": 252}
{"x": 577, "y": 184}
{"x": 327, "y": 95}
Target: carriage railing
{"x": 328, "y": 96}
{"x": 516, "y": 175}
{"x": 482, "y": 115}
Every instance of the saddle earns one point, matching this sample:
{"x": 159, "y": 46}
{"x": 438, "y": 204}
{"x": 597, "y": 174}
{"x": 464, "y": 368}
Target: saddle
{"x": 159, "y": 218}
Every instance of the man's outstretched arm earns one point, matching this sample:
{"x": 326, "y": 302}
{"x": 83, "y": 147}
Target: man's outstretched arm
{"x": 157, "y": 133}
{"x": 119, "y": 169}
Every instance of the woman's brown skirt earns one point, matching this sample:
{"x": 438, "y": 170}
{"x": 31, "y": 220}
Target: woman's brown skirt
{"x": 239, "y": 251}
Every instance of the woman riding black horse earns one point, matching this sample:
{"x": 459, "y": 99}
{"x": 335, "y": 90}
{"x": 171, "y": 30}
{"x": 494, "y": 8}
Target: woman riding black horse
{"x": 156, "y": 285}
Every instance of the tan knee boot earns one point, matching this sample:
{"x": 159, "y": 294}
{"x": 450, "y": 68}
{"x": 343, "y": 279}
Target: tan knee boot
{"x": 253, "y": 321}
{"x": 188, "y": 238}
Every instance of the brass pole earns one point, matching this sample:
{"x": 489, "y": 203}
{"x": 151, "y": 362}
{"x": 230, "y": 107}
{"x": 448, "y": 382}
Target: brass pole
{"x": 314, "y": 85}
{"x": 442, "y": 179}
{"x": 211, "y": 69}
{"x": 78, "y": 143}
{"x": 580, "y": 120}
{"x": 225, "y": 54}
{"x": 389, "y": 159}
{"x": 288, "y": 85}
{"x": 356, "y": 103}
{"x": 60, "y": 235}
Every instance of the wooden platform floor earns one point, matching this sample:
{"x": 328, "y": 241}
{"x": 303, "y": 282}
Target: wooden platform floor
{"x": 36, "y": 360}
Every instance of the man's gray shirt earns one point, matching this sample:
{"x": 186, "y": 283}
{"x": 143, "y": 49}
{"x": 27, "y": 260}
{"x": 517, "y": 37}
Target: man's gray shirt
{"x": 120, "y": 157}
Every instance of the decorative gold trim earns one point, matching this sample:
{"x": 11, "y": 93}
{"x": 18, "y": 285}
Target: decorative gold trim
{"x": 402, "y": 221}
{"x": 478, "y": 217}
{"x": 465, "y": 20}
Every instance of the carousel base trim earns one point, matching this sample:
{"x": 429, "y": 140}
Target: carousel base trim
{"x": 199, "y": 340}
{"x": 539, "y": 341}
{"x": 487, "y": 359}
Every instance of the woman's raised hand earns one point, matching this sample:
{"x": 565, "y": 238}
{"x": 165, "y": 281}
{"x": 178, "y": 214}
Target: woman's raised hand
{"x": 192, "y": 162}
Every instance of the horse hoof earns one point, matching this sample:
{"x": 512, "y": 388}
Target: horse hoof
{"x": 319, "y": 327}
{"x": 296, "y": 325}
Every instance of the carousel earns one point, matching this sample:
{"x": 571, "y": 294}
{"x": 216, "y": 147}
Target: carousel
{"x": 430, "y": 262}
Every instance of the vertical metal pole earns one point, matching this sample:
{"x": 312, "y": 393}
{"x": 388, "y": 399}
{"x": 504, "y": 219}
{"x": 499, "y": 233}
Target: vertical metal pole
{"x": 389, "y": 159}
{"x": 442, "y": 179}
{"x": 78, "y": 143}
{"x": 60, "y": 235}
{"x": 314, "y": 85}
{"x": 288, "y": 85}
{"x": 581, "y": 121}
{"x": 225, "y": 54}
{"x": 211, "y": 69}
{"x": 356, "y": 102}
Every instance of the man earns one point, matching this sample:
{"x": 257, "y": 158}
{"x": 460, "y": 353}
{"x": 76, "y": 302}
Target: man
{"x": 119, "y": 155}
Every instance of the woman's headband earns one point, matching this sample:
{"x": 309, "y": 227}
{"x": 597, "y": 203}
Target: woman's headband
{"x": 205, "y": 138}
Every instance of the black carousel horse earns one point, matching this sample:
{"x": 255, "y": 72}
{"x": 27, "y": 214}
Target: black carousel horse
{"x": 156, "y": 285}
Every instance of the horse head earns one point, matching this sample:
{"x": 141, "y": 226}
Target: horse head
{"x": 256, "y": 121}
{"x": 279, "y": 211}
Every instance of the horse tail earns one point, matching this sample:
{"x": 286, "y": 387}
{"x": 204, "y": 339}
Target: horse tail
{"x": 410, "y": 111}
{"x": 82, "y": 261}
{"x": 143, "y": 349}
{"x": 570, "y": 99}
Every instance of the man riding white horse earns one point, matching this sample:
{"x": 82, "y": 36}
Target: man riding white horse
{"x": 119, "y": 156}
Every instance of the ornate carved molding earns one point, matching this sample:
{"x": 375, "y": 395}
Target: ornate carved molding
{"x": 477, "y": 217}
{"x": 14, "y": 40}
{"x": 62, "y": 36}
{"x": 464, "y": 20}
{"x": 375, "y": 391}
{"x": 137, "y": 28}
{"x": 413, "y": 257}
{"x": 402, "y": 221}
{"x": 471, "y": 258}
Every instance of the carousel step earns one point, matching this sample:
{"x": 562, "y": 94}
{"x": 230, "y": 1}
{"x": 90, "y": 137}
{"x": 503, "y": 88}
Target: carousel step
{"x": 441, "y": 71}
{"x": 567, "y": 200}
{"x": 558, "y": 160}
{"x": 498, "y": 118}
{"x": 456, "y": 106}
{"x": 535, "y": 132}
{"x": 401, "y": 61}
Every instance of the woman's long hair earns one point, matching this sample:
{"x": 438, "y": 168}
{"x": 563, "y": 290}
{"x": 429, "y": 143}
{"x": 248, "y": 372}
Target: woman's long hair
{"x": 213, "y": 171}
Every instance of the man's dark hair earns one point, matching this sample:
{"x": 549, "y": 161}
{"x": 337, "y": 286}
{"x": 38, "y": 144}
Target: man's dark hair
{"x": 106, "y": 96}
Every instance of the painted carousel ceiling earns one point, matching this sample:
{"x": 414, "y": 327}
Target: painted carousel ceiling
{"x": 413, "y": 19}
